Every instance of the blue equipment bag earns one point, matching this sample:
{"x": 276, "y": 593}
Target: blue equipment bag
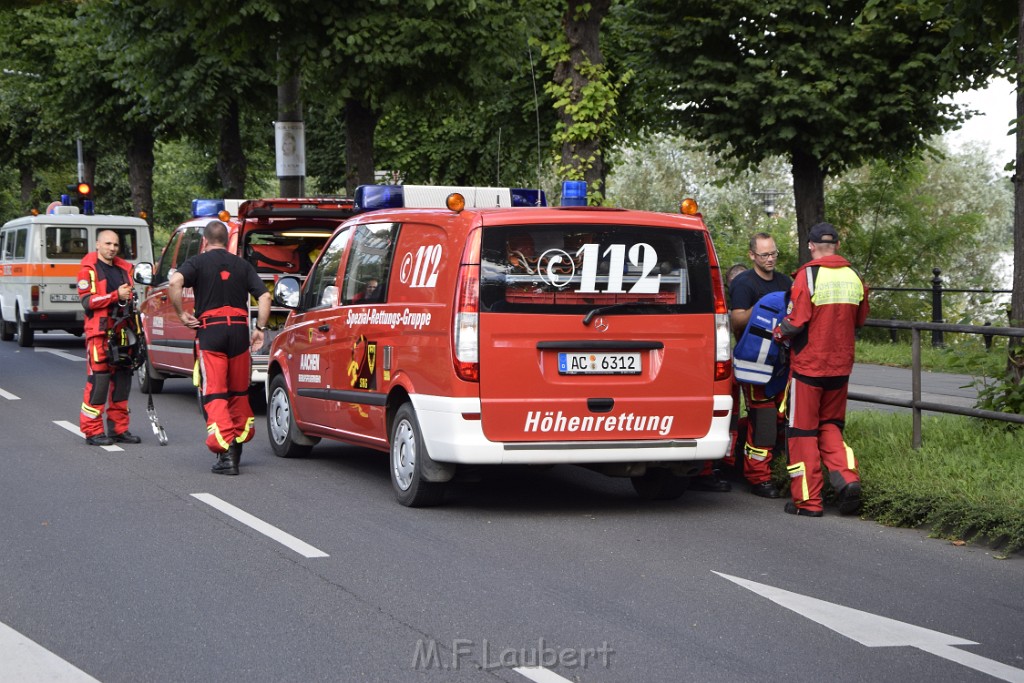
{"x": 757, "y": 359}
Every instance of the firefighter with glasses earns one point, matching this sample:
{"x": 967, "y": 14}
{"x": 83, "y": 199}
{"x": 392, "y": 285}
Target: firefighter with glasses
{"x": 764, "y": 413}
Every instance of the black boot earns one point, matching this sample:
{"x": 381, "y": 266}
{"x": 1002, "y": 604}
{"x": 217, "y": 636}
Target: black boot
{"x": 227, "y": 462}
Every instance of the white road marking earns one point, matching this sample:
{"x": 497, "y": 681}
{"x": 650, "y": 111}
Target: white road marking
{"x": 75, "y": 430}
{"x": 539, "y": 674}
{"x": 282, "y": 537}
{"x": 62, "y": 354}
{"x": 9, "y": 396}
{"x": 26, "y": 660}
{"x": 872, "y": 630}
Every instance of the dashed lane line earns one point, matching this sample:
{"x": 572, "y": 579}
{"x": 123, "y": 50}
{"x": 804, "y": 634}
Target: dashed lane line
{"x": 539, "y": 674}
{"x": 257, "y": 524}
{"x": 9, "y": 396}
{"x": 26, "y": 660}
{"x": 75, "y": 430}
{"x": 62, "y": 354}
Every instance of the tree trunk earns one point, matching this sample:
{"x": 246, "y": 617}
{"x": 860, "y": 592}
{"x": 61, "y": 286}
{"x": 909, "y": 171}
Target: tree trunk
{"x": 289, "y": 108}
{"x": 582, "y": 30}
{"x": 231, "y": 163}
{"x": 28, "y": 186}
{"x": 809, "y": 195}
{"x": 140, "y": 174}
{"x": 360, "y": 125}
{"x": 1015, "y": 363}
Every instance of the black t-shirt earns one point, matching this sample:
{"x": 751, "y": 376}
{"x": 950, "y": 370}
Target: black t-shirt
{"x": 219, "y": 278}
{"x": 748, "y": 288}
{"x": 114, "y": 276}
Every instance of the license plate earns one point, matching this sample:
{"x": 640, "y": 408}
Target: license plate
{"x": 64, "y": 298}
{"x": 599, "y": 363}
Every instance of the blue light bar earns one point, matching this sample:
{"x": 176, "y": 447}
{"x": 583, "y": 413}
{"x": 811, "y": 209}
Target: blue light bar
{"x": 87, "y": 207}
{"x": 524, "y": 197}
{"x": 372, "y": 197}
{"x": 203, "y": 208}
{"x": 65, "y": 200}
{"x": 574, "y": 193}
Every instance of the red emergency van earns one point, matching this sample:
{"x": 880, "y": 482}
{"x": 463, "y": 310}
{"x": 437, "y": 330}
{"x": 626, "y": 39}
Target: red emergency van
{"x": 278, "y": 236}
{"x": 506, "y": 335}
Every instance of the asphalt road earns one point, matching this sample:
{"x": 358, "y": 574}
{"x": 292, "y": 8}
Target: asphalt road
{"x": 112, "y": 569}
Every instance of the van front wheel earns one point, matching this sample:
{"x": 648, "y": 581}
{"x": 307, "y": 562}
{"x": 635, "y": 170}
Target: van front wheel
{"x": 408, "y": 453}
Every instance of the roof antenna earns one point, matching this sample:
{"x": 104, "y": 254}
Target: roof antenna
{"x": 497, "y": 182}
{"x": 536, "y": 111}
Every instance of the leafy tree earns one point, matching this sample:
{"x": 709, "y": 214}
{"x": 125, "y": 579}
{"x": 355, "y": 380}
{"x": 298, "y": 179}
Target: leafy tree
{"x": 826, "y": 85}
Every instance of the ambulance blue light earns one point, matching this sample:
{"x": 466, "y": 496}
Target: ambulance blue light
{"x": 87, "y": 207}
{"x": 574, "y": 193}
{"x": 206, "y": 208}
{"x": 524, "y": 197}
{"x": 65, "y": 200}
{"x": 372, "y": 197}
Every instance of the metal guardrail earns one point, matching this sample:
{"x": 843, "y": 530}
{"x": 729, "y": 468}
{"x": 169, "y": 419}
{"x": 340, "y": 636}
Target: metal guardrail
{"x": 915, "y": 403}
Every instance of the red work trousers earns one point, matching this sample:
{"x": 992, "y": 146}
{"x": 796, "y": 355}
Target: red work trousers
{"x": 103, "y": 388}
{"x": 817, "y": 415}
{"x": 224, "y": 363}
{"x": 762, "y": 431}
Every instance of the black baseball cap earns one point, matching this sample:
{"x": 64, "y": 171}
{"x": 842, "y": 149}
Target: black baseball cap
{"x": 823, "y": 233}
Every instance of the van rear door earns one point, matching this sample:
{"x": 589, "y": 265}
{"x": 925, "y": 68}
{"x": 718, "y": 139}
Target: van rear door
{"x": 596, "y": 331}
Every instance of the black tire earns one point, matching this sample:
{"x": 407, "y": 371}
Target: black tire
{"x": 6, "y": 330}
{"x": 406, "y": 462}
{"x": 148, "y": 384}
{"x": 26, "y": 335}
{"x": 281, "y": 429}
{"x": 658, "y": 483}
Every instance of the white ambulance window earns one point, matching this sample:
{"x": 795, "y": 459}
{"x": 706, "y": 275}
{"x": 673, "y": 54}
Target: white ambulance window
{"x": 67, "y": 243}
{"x": 322, "y": 283}
{"x": 369, "y": 264}
{"x": 17, "y": 244}
{"x": 574, "y": 268}
{"x": 129, "y": 243}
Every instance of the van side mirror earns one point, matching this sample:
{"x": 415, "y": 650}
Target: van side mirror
{"x": 143, "y": 273}
{"x": 286, "y": 292}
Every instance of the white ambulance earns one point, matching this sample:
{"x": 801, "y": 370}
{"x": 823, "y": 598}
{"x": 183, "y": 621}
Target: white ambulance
{"x": 40, "y": 256}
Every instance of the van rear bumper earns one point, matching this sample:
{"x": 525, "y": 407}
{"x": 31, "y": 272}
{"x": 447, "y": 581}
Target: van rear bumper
{"x": 450, "y": 437}
{"x": 62, "y": 320}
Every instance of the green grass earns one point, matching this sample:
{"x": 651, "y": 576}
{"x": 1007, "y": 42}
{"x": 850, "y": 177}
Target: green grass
{"x": 965, "y": 356}
{"x": 965, "y": 482}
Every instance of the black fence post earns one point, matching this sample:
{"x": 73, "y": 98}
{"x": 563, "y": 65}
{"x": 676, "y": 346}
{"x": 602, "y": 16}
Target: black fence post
{"x": 937, "y": 338}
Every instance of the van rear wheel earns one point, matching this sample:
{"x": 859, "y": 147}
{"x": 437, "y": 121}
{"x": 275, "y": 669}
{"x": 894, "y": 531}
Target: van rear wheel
{"x": 659, "y": 483}
{"x": 6, "y": 330}
{"x": 285, "y": 437}
{"x": 407, "y": 455}
{"x": 26, "y": 334}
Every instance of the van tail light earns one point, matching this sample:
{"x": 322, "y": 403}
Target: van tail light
{"x": 466, "y": 330}
{"x": 723, "y": 338}
{"x": 35, "y": 297}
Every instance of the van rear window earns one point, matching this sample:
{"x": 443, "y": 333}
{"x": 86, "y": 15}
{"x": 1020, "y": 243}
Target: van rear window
{"x": 574, "y": 268}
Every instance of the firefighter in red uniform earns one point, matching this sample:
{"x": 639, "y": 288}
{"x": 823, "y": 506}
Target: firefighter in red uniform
{"x": 104, "y": 287}
{"x": 828, "y": 303}
{"x": 222, "y": 283}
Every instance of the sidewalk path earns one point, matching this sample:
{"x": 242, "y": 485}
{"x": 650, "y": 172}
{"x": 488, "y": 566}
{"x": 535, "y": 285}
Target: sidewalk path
{"x": 887, "y": 382}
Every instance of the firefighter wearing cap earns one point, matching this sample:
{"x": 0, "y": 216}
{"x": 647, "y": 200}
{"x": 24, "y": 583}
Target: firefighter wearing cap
{"x": 828, "y": 303}
{"x": 222, "y": 283}
{"x": 105, "y": 289}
